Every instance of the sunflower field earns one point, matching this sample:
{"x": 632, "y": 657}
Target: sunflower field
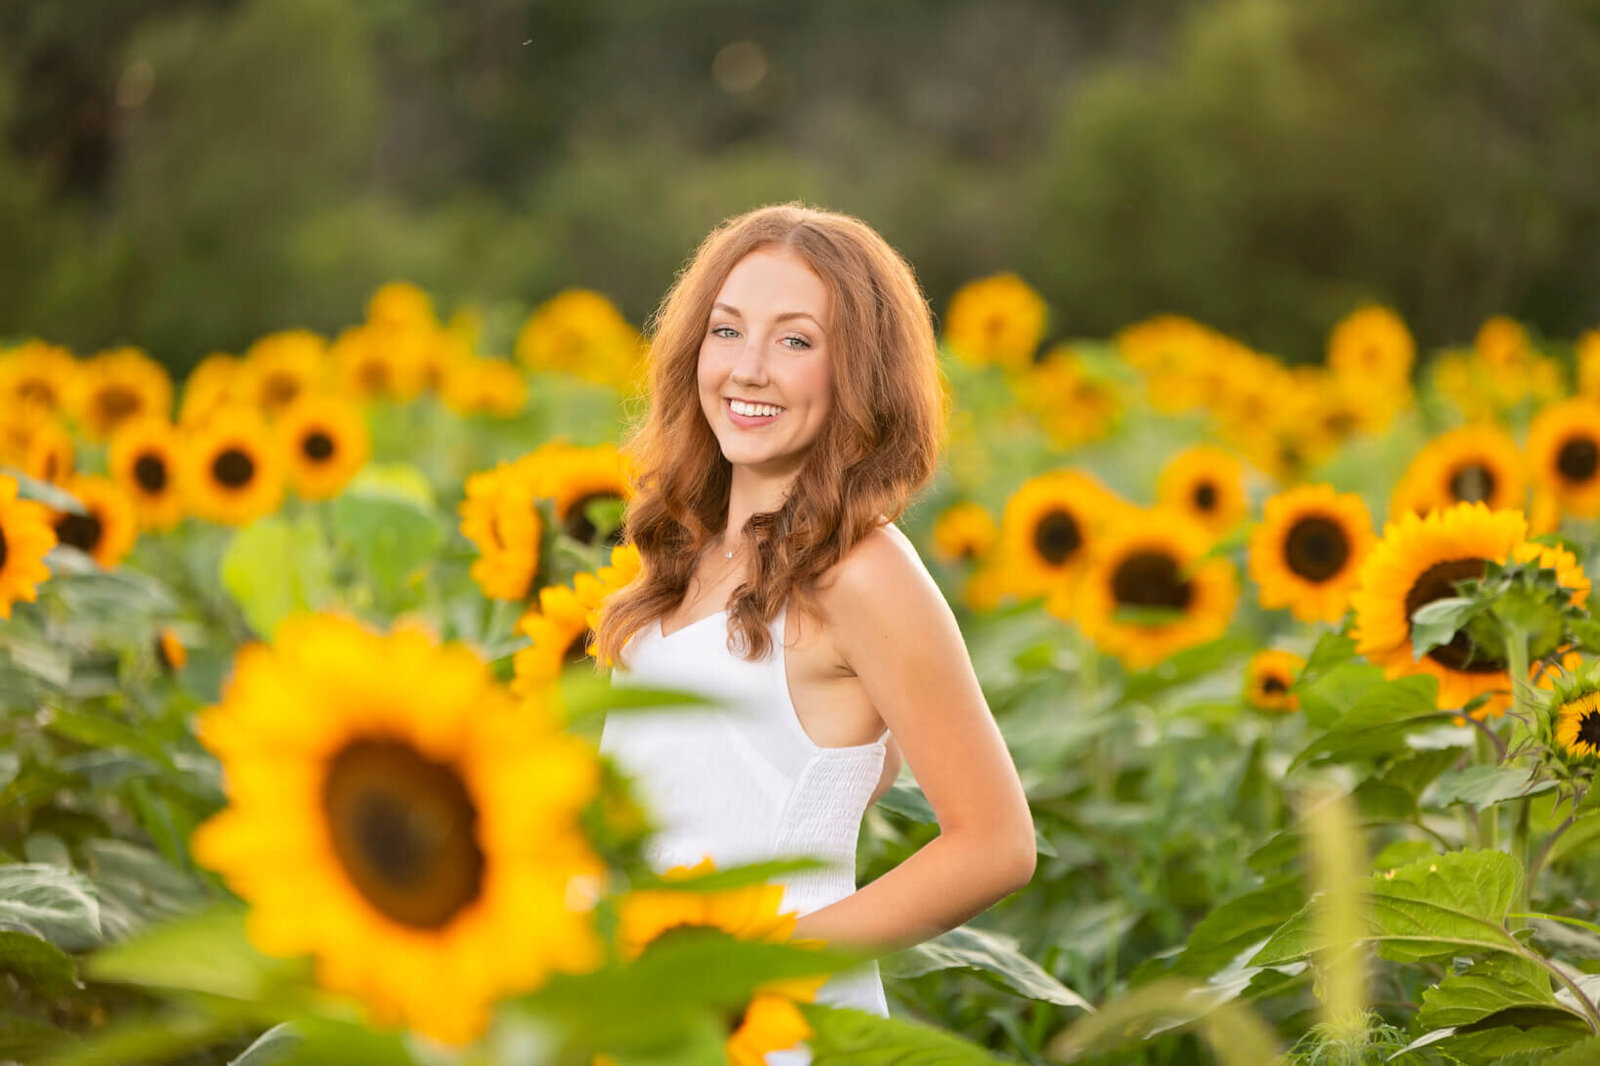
{"x": 1296, "y": 663}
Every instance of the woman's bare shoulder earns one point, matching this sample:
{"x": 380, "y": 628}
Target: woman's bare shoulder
{"x": 883, "y": 565}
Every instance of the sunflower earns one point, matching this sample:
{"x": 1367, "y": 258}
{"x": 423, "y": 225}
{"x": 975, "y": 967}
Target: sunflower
{"x": 1372, "y": 344}
{"x": 108, "y": 526}
{"x": 1268, "y": 679}
{"x": 233, "y": 471}
{"x": 50, "y": 454}
{"x": 324, "y": 440}
{"x": 279, "y": 368}
{"x": 560, "y": 633}
{"x": 1207, "y": 484}
{"x": 170, "y": 652}
{"x": 1564, "y": 451}
{"x": 1473, "y": 464}
{"x": 1307, "y": 551}
{"x": 1501, "y": 341}
{"x": 487, "y": 385}
{"x": 997, "y": 319}
{"x": 1172, "y": 353}
{"x": 380, "y": 360}
{"x": 1046, "y": 526}
{"x": 38, "y": 374}
{"x": 1153, "y": 564}
{"x": 965, "y": 531}
{"x": 579, "y": 331}
{"x": 145, "y": 460}
{"x": 1578, "y": 725}
{"x": 1420, "y": 560}
{"x": 400, "y": 303}
{"x": 117, "y": 385}
{"x": 500, "y": 517}
{"x": 431, "y": 816}
{"x": 209, "y": 386}
{"x": 25, "y": 536}
{"x": 1072, "y": 403}
{"x": 771, "y": 1021}
{"x": 573, "y": 478}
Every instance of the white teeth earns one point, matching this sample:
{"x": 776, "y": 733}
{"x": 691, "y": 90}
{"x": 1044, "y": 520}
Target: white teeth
{"x": 753, "y": 410}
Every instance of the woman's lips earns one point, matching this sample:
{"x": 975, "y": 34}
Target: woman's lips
{"x": 748, "y": 421}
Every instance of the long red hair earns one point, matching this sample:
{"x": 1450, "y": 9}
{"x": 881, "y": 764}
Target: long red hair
{"x": 878, "y": 446}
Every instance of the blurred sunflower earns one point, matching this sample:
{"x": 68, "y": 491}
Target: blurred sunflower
{"x": 1207, "y": 484}
{"x": 500, "y": 517}
{"x": 964, "y": 532}
{"x": 37, "y": 374}
{"x": 209, "y": 386}
{"x": 50, "y": 454}
{"x": 1372, "y": 344}
{"x": 1578, "y": 725}
{"x": 1501, "y": 341}
{"x": 108, "y": 526}
{"x": 573, "y": 478}
{"x": 1171, "y": 352}
{"x": 1564, "y": 452}
{"x": 485, "y": 385}
{"x": 25, "y": 536}
{"x": 324, "y": 441}
{"x": 1472, "y": 464}
{"x": 560, "y": 633}
{"x": 380, "y": 360}
{"x": 145, "y": 459}
{"x": 280, "y": 368}
{"x": 1268, "y": 679}
{"x": 233, "y": 470}
{"x": 1045, "y": 528}
{"x": 1144, "y": 593}
{"x": 400, "y": 303}
{"x": 1074, "y": 405}
{"x": 170, "y": 652}
{"x": 116, "y": 385}
{"x": 998, "y": 319}
{"x": 771, "y": 1021}
{"x": 433, "y": 818}
{"x": 1420, "y": 560}
{"x": 579, "y": 331}
{"x": 1306, "y": 552}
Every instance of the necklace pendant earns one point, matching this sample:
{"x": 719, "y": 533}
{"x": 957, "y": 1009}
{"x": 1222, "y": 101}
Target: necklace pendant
{"x": 727, "y": 555}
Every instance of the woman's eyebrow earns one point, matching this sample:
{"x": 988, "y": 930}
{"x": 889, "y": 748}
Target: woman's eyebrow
{"x": 734, "y": 311}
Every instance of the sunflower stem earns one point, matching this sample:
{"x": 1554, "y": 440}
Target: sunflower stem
{"x": 1488, "y": 820}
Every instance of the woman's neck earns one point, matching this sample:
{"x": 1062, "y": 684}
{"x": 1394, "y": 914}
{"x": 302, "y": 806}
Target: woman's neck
{"x": 749, "y": 493}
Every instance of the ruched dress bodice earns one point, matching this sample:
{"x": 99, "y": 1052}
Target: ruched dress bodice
{"x": 742, "y": 781}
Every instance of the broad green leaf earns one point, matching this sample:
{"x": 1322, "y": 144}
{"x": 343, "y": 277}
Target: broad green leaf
{"x": 1454, "y": 904}
{"x": 390, "y": 539}
{"x": 1237, "y": 924}
{"x": 991, "y": 956}
{"x": 1378, "y": 722}
{"x": 843, "y": 1036}
{"x": 52, "y": 902}
{"x": 1484, "y": 786}
{"x": 583, "y": 695}
{"x": 273, "y": 1046}
{"x": 1515, "y": 991}
{"x": 99, "y": 731}
{"x": 1436, "y": 623}
{"x": 207, "y": 952}
{"x": 754, "y": 873}
{"x": 274, "y": 567}
{"x": 908, "y": 802}
{"x": 38, "y": 963}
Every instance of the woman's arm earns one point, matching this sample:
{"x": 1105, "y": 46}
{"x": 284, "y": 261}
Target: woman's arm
{"x": 891, "y": 624}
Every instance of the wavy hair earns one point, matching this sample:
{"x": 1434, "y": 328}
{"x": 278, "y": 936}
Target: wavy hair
{"x": 878, "y": 445}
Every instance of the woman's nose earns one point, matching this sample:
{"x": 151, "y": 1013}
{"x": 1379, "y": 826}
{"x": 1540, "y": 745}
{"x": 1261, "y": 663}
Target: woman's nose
{"x": 750, "y": 365}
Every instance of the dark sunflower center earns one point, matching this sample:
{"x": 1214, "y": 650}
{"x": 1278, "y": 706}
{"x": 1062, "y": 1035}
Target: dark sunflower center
{"x": 150, "y": 471}
{"x": 1205, "y": 496}
{"x": 233, "y": 467}
{"x": 405, "y": 830}
{"x": 1578, "y": 459}
{"x": 374, "y": 375}
{"x": 1150, "y": 579}
{"x": 1316, "y": 548}
{"x": 2, "y": 548}
{"x": 316, "y": 446}
{"x": 577, "y": 525}
{"x": 1056, "y": 537}
{"x": 1273, "y": 685}
{"x": 993, "y": 326}
{"x": 38, "y": 390}
{"x": 1473, "y": 483}
{"x": 82, "y": 531}
{"x": 116, "y": 403}
{"x": 1589, "y": 729}
{"x": 280, "y": 389}
{"x": 1436, "y": 583}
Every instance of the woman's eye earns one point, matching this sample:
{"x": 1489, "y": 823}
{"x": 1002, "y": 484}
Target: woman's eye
{"x": 803, "y": 342}
{"x": 717, "y": 331}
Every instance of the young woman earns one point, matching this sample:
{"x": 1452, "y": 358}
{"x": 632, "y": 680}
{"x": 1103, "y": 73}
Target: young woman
{"x": 795, "y": 407}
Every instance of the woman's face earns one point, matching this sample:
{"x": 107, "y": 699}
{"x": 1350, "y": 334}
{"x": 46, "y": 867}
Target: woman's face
{"x": 766, "y": 381}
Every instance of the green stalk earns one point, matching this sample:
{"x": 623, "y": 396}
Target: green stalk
{"x": 1488, "y": 820}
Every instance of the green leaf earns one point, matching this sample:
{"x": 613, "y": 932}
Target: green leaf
{"x": 273, "y": 1046}
{"x": 991, "y": 956}
{"x": 1454, "y": 904}
{"x": 1237, "y": 924}
{"x": 585, "y": 695}
{"x": 1514, "y": 989}
{"x": 99, "y": 731}
{"x": 908, "y": 802}
{"x": 1484, "y": 786}
{"x": 51, "y": 902}
{"x": 1378, "y": 722}
{"x": 1327, "y": 696}
{"x": 1436, "y": 623}
{"x": 38, "y": 962}
{"x": 391, "y": 539}
{"x": 274, "y": 567}
{"x": 207, "y": 952}
{"x": 754, "y": 873}
{"x": 843, "y": 1036}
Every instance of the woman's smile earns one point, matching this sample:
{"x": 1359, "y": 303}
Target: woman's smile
{"x": 747, "y": 415}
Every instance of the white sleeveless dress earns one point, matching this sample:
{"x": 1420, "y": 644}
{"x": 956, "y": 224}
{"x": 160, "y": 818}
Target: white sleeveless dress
{"x": 744, "y": 782}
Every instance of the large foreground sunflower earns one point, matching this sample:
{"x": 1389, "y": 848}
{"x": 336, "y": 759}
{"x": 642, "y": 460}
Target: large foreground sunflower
{"x": 1420, "y": 560}
{"x": 771, "y": 1021}
{"x": 1474, "y": 464}
{"x": 25, "y": 536}
{"x": 1206, "y": 483}
{"x": 1144, "y": 594}
{"x": 1307, "y": 551}
{"x": 429, "y": 818}
{"x": 146, "y": 460}
{"x": 1564, "y": 452}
